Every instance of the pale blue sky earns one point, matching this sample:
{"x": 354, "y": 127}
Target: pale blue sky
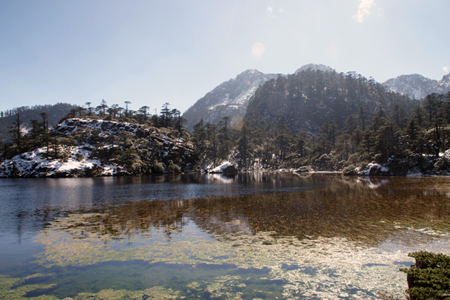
{"x": 151, "y": 52}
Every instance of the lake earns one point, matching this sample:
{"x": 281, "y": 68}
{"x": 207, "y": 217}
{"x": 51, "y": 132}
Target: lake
{"x": 209, "y": 236}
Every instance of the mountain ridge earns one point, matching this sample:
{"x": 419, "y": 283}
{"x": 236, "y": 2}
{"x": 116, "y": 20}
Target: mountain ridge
{"x": 54, "y": 114}
{"x": 417, "y": 86}
{"x": 231, "y": 98}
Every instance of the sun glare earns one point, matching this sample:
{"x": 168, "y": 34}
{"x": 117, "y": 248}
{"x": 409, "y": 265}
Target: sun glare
{"x": 258, "y": 50}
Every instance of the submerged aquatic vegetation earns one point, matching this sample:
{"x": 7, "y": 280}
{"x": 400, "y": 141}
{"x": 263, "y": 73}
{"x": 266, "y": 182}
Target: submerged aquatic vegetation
{"x": 16, "y": 288}
{"x": 229, "y": 287}
{"x": 10, "y": 288}
{"x": 157, "y": 293}
{"x": 310, "y": 267}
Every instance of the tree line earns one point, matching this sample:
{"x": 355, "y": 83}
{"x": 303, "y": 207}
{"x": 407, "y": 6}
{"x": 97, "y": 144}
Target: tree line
{"x": 169, "y": 118}
{"x": 361, "y": 139}
{"x": 27, "y": 136}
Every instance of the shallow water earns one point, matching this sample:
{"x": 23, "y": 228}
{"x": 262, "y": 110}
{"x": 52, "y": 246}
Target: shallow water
{"x": 251, "y": 236}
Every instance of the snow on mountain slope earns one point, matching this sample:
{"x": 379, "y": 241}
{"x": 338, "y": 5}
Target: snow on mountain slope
{"x": 228, "y": 99}
{"x": 231, "y": 98}
{"x": 417, "y": 86}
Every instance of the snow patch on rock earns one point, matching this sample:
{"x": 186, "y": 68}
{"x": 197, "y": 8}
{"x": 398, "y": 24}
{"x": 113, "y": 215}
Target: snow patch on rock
{"x": 221, "y": 168}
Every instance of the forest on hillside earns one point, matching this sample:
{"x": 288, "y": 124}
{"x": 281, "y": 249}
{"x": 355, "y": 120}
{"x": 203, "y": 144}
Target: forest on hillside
{"x": 304, "y": 101}
{"x": 294, "y": 124}
{"x": 98, "y": 138}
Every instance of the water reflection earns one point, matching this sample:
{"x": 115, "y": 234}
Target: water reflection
{"x": 30, "y": 203}
{"x": 357, "y": 209}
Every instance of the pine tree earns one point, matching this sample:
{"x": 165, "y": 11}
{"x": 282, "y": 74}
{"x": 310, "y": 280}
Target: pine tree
{"x": 165, "y": 114}
{"x": 242, "y": 147}
{"x": 17, "y": 131}
{"x": 144, "y": 111}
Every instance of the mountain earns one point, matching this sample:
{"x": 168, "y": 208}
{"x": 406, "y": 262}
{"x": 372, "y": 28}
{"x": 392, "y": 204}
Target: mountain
{"x": 417, "y": 86}
{"x": 54, "y": 115}
{"x": 231, "y": 98}
{"x": 95, "y": 147}
{"x": 228, "y": 99}
{"x": 307, "y": 99}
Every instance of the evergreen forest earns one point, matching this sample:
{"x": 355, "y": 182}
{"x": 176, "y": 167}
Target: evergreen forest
{"x": 332, "y": 121}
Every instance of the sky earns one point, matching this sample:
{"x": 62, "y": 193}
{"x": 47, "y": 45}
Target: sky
{"x": 153, "y": 52}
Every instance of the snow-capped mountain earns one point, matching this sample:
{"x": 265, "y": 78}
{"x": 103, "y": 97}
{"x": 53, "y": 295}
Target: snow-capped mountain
{"x": 231, "y": 98}
{"x": 228, "y": 99}
{"x": 417, "y": 86}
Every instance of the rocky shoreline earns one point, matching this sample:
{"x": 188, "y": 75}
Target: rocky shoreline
{"x": 32, "y": 164}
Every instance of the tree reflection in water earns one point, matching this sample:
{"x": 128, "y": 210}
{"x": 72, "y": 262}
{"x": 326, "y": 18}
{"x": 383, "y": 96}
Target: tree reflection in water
{"x": 361, "y": 210}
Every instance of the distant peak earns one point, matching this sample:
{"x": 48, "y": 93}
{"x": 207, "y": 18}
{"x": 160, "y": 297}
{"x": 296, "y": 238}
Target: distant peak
{"x": 446, "y": 78}
{"x": 250, "y": 71}
{"x": 315, "y": 67}
{"x": 412, "y": 76}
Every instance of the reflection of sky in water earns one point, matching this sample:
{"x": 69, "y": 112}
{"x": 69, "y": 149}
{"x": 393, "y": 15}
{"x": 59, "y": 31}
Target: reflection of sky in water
{"x": 23, "y": 197}
{"x": 408, "y": 240}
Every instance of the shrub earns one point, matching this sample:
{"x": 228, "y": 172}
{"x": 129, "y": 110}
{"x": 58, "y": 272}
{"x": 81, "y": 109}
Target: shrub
{"x": 349, "y": 171}
{"x": 429, "y": 277}
{"x": 158, "y": 167}
{"x": 173, "y": 168}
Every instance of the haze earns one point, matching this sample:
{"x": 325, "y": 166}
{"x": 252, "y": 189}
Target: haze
{"x": 152, "y": 52}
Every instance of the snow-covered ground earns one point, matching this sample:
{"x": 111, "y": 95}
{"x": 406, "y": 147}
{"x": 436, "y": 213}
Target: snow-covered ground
{"x": 35, "y": 164}
{"x": 221, "y": 168}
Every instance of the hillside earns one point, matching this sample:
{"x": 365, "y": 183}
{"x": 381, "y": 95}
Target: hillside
{"x": 54, "y": 115}
{"x": 307, "y": 99}
{"x": 228, "y": 99}
{"x": 92, "y": 147}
